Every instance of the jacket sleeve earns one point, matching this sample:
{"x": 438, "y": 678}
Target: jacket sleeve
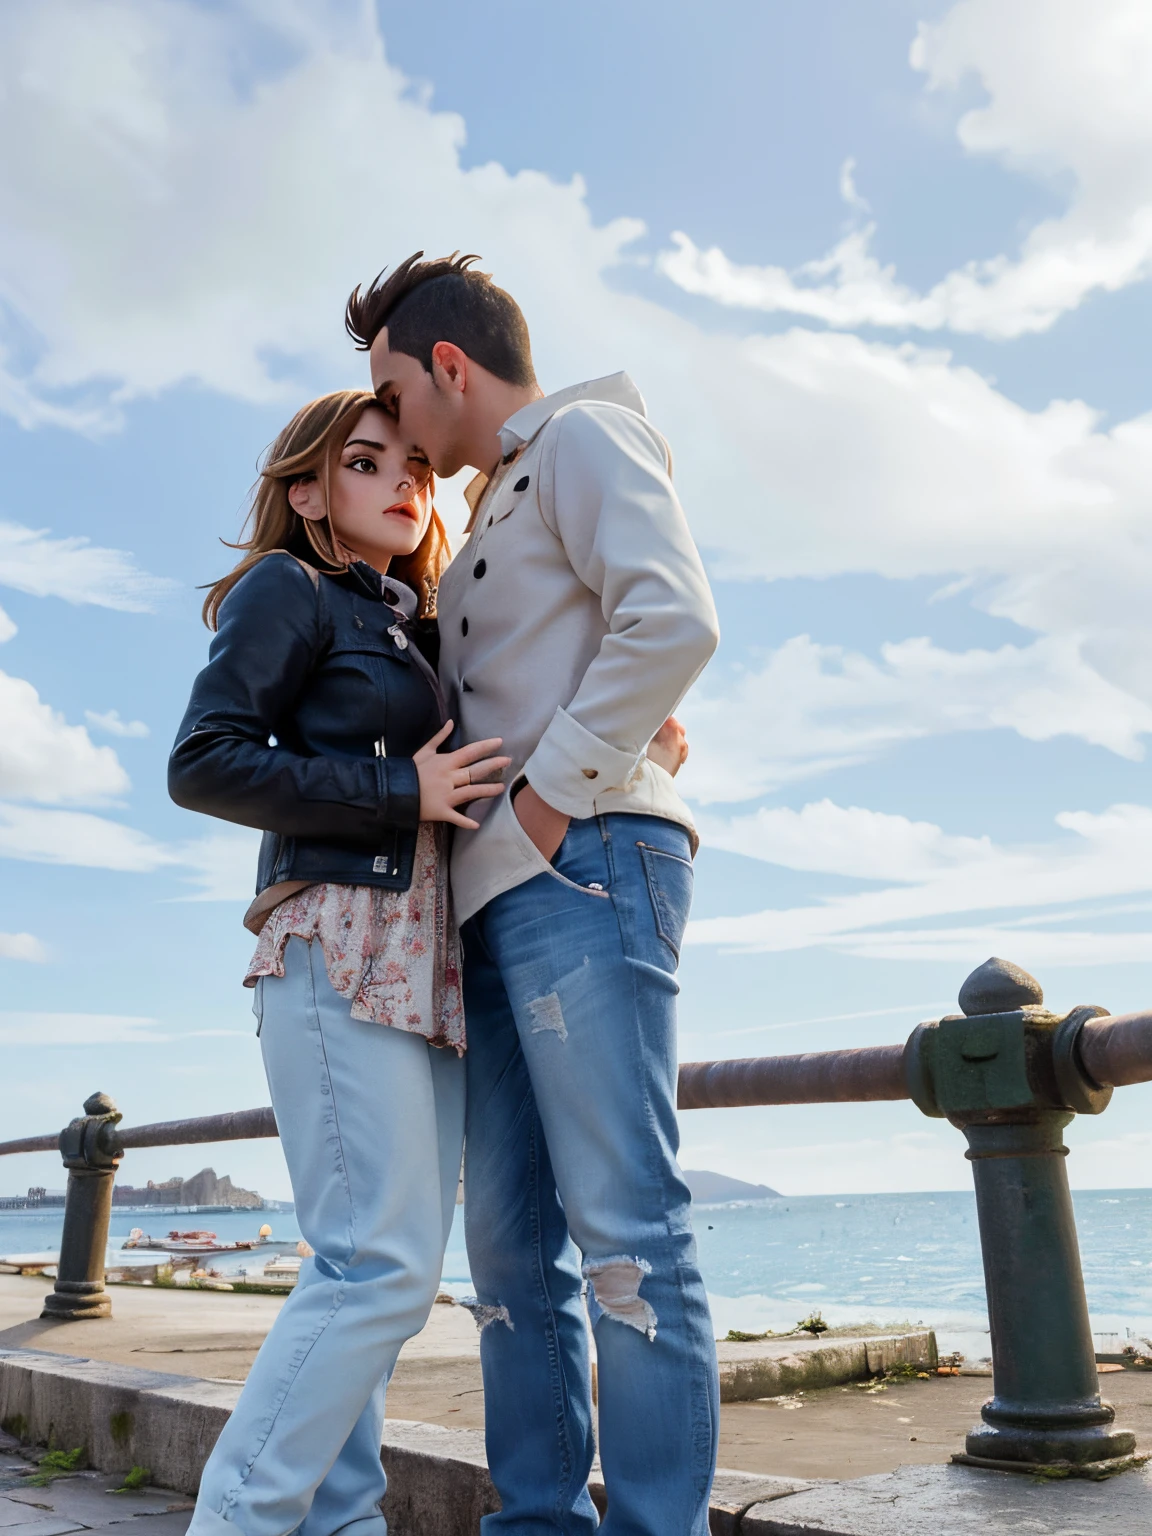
{"x": 625, "y": 534}
{"x": 223, "y": 763}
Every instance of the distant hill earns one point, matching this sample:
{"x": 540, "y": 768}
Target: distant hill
{"x": 713, "y": 1188}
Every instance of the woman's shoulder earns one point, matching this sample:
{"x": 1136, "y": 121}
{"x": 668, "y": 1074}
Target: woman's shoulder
{"x": 275, "y": 578}
{"x": 280, "y": 568}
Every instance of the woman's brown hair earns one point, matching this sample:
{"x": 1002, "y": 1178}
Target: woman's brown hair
{"x": 309, "y": 445}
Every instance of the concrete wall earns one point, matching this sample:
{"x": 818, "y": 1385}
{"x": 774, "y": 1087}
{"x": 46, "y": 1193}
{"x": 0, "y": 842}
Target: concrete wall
{"x": 438, "y": 1482}
{"x": 748, "y": 1371}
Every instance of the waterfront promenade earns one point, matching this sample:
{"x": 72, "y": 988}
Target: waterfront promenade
{"x": 832, "y": 1432}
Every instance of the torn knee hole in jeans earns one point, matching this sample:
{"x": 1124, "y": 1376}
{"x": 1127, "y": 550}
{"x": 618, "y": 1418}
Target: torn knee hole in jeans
{"x": 547, "y": 1014}
{"x": 616, "y": 1286}
{"x": 485, "y": 1313}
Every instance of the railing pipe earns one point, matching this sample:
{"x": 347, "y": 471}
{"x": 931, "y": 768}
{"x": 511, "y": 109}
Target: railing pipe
{"x": 816, "y": 1077}
{"x": 1117, "y": 1050}
{"x": 239, "y": 1125}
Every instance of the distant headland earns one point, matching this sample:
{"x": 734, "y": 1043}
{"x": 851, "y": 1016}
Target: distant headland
{"x": 202, "y": 1192}
{"x": 203, "y": 1188}
{"x": 714, "y": 1188}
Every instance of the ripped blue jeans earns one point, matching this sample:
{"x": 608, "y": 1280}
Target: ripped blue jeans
{"x": 572, "y": 1184}
{"x": 371, "y": 1121}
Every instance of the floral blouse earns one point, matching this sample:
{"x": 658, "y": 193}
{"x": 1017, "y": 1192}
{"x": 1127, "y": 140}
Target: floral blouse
{"x": 394, "y": 954}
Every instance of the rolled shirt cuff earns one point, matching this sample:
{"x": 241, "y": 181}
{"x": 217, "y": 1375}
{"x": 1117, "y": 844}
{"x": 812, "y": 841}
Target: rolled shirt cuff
{"x": 571, "y": 767}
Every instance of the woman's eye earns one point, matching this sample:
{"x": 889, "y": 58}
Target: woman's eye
{"x": 363, "y": 466}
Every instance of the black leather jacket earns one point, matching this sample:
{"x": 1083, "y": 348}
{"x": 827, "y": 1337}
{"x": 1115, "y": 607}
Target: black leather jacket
{"x": 305, "y": 721}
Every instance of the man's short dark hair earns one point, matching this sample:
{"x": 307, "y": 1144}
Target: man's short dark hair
{"x": 423, "y": 302}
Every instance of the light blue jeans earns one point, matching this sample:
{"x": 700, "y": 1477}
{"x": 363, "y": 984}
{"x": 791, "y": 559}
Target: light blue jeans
{"x": 570, "y": 990}
{"x": 371, "y": 1121}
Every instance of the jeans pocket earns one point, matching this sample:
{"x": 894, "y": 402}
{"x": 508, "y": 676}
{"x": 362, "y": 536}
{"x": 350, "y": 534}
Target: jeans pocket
{"x": 258, "y": 1004}
{"x": 669, "y": 880}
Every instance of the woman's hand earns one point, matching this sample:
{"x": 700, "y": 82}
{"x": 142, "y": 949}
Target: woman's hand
{"x": 669, "y": 747}
{"x": 449, "y": 779}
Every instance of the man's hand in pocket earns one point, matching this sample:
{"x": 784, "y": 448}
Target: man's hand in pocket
{"x": 545, "y": 827}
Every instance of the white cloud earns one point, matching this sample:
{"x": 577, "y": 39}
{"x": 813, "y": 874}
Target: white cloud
{"x": 79, "y": 839}
{"x": 939, "y": 876}
{"x": 848, "y": 840}
{"x": 95, "y": 1029}
{"x": 807, "y": 453}
{"x": 111, "y": 722}
{"x": 149, "y": 264}
{"x": 34, "y": 561}
{"x": 45, "y": 759}
{"x": 812, "y": 708}
{"x": 222, "y": 864}
{"x": 7, "y": 627}
{"x": 1067, "y": 96}
{"x": 21, "y": 946}
{"x": 73, "y": 1029}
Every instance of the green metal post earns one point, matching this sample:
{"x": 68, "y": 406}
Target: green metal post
{"x": 91, "y": 1154}
{"x": 1007, "y": 1074}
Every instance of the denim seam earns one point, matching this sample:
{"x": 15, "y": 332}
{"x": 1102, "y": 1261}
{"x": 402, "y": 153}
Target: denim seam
{"x": 550, "y": 1335}
{"x": 295, "y": 1366}
{"x": 333, "y": 1112}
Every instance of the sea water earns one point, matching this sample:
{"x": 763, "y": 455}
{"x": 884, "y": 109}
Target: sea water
{"x": 769, "y": 1263}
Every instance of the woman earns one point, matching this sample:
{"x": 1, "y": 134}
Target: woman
{"x": 318, "y": 719}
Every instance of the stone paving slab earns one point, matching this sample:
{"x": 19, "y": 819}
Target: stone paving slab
{"x": 86, "y": 1500}
{"x": 16, "y": 1517}
{"x": 960, "y": 1501}
{"x": 80, "y": 1501}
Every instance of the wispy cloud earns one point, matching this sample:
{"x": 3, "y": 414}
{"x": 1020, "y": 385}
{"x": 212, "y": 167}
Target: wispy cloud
{"x": 220, "y": 866}
{"x": 1067, "y": 94}
{"x": 111, "y": 722}
{"x": 812, "y": 708}
{"x": 941, "y": 877}
{"x": 73, "y": 568}
{"x": 94, "y": 1029}
{"x": 21, "y": 946}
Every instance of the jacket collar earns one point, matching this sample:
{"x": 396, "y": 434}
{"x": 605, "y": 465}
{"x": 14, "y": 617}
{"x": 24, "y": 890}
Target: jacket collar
{"x": 524, "y": 424}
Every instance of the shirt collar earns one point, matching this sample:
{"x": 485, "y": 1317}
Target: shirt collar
{"x": 523, "y": 425}
{"x": 399, "y": 597}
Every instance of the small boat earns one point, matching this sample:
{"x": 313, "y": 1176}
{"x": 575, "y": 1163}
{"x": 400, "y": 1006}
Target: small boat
{"x": 195, "y": 1242}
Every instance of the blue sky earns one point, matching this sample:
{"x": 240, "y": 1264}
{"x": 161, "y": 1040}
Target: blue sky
{"x": 882, "y": 274}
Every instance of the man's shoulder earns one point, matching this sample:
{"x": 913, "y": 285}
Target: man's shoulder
{"x": 589, "y": 429}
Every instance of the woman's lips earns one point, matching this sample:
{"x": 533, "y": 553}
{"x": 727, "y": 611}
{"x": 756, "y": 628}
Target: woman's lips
{"x": 403, "y": 509}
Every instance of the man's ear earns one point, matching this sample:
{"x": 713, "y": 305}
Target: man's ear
{"x": 449, "y": 367}
{"x": 306, "y": 497}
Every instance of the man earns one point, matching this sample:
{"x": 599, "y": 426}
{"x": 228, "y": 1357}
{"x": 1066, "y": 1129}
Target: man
{"x": 572, "y": 623}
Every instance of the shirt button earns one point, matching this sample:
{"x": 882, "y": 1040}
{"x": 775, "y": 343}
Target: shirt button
{"x": 463, "y": 626}
{"x": 479, "y": 568}
{"x": 521, "y": 484}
